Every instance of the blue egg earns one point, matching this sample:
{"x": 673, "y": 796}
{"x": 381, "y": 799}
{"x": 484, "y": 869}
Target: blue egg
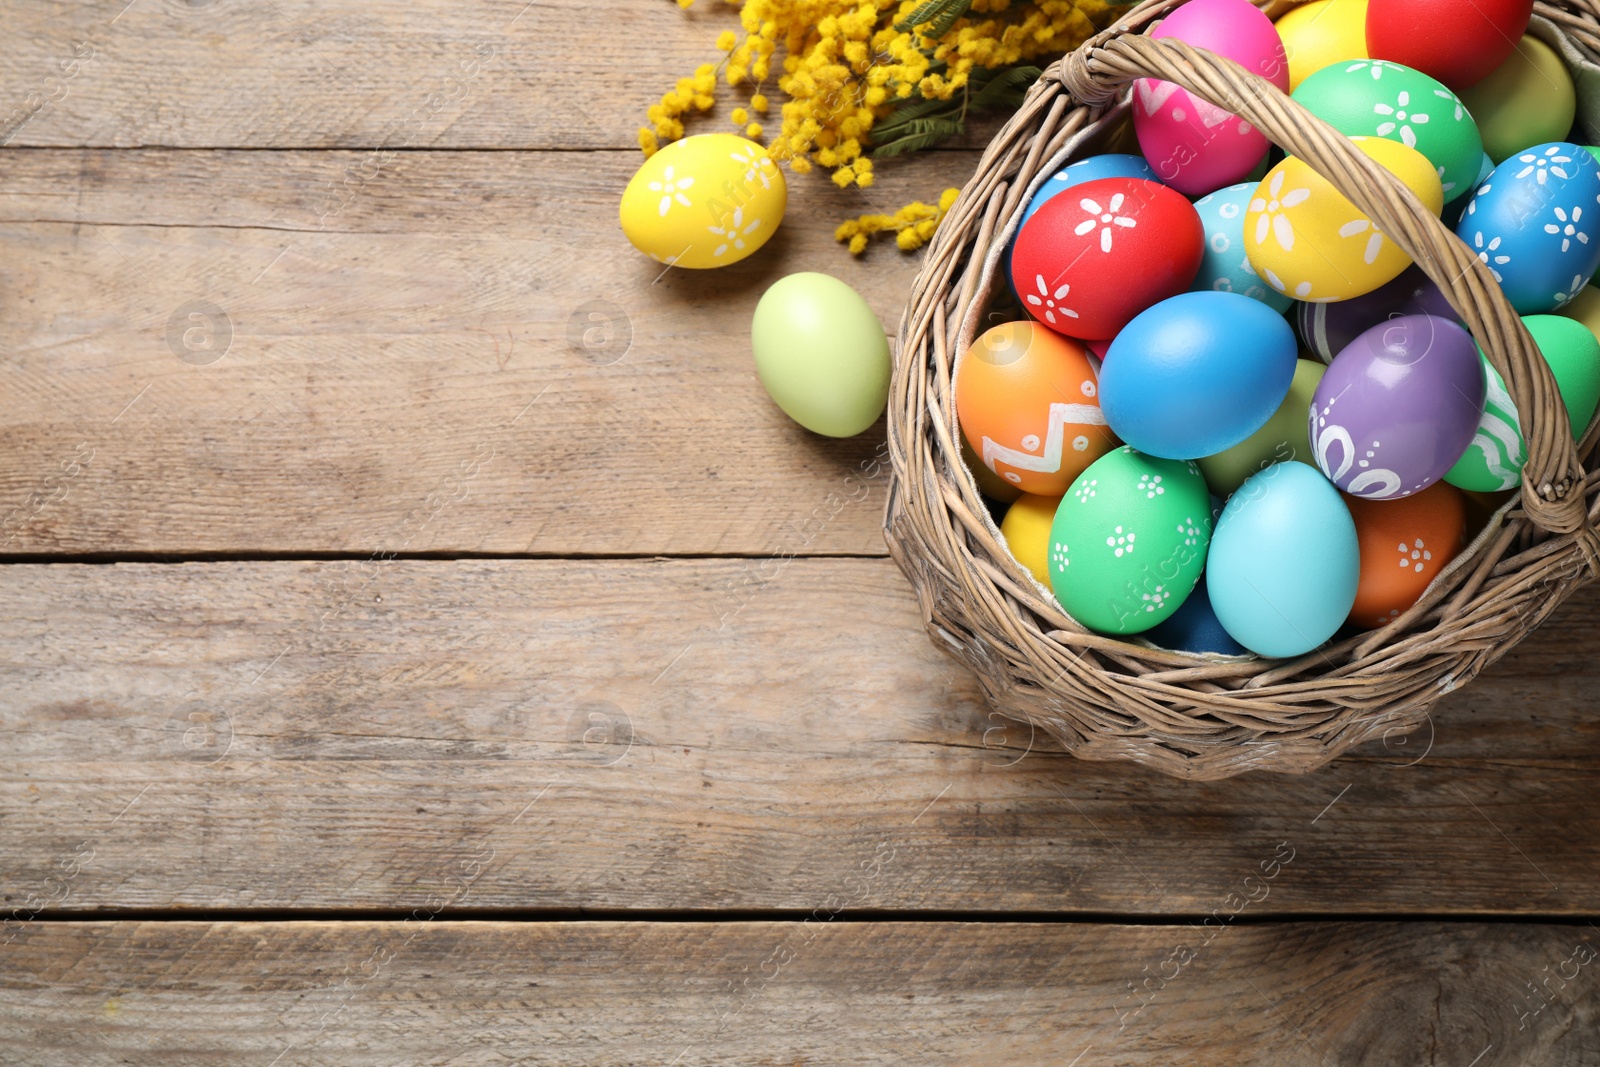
{"x": 1110, "y": 165}
{"x": 1284, "y": 564}
{"x": 1196, "y": 374}
{"x": 1536, "y": 224}
{"x": 1225, "y": 267}
{"x": 1456, "y": 208}
{"x": 1194, "y": 628}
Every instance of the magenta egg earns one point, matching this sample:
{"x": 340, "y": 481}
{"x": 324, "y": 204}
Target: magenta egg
{"x": 1398, "y": 407}
{"x": 1195, "y": 146}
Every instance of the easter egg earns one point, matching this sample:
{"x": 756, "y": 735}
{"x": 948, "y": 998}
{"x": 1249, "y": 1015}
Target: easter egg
{"x": 1585, "y": 308}
{"x": 1528, "y": 100}
{"x": 1194, "y": 627}
{"x": 1285, "y": 437}
{"x": 1088, "y": 262}
{"x": 1283, "y": 566}
{"x": 1327, "y": 328}
{"x": 1225, "y": 267}
{"x": 1536, "y": 224}
{"x": 1573, "y": 354}
{"x": 1375, "y": 98}
{"x": 1321, "y": 33}
{"x": 1026, "y": 529}
{"x": 1129, "y": 541}
{"x": 1458, "y": 43}
{"x": 1306, "y": 239}
{"x": 1028, "y": 401}
{"x": 1195, "y": 146}
{"x": 1404, "y": 545}
{"x": 1196, "y": 374}
{"x": 989, "y": 483}
{"x": 821, "y": 354}
{"x": 1398, "y": 407}
{"x": 1494, "y": 459}
{"x": 1451, "y": 215}
{"x": 1108, "y": 165}
{"x": 704, "y": 201}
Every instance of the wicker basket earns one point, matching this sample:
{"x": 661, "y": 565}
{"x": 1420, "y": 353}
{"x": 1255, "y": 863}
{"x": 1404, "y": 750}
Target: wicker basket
{"x": 1196, "y": 716}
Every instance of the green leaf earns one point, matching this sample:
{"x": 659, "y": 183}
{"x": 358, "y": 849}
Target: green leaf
{"x": 935, "y": 17}
{"x": 1005, "y": 88}
{"x": 913, "y": 109}
{"x": 919, "y": 134}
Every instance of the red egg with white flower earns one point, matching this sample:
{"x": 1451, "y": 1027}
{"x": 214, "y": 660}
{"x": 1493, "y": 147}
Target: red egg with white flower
{"x": 1092, "y": 258}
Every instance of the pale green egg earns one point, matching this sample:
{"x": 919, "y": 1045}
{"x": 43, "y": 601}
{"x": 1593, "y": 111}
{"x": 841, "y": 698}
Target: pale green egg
{"x": 1286, "y": 437}
{"x": 1528, "y": 100}
{"x": 821, "y": 354}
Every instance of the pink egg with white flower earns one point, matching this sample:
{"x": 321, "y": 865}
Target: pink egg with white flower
{"x": 1195, "y": 146}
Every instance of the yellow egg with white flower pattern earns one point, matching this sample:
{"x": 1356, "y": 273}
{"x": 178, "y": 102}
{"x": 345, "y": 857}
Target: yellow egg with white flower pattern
{"x": 1308, "y": 241}
{"x": 704, "y": 201}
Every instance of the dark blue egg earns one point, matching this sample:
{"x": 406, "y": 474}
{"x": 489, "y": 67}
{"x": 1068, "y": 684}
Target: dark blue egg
{"x": 1194, "y": 627}
{"x": 1110, "y": 165}
{"x": 1196, "y": 374}
{"x": 1536, "y": 224}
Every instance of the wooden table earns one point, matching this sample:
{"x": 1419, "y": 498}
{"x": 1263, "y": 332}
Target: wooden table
{"x": 422, "y": 642}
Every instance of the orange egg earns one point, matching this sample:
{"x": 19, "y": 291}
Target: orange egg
{"x": 1028, "y": 401}
{"x": 1404, "y": 543}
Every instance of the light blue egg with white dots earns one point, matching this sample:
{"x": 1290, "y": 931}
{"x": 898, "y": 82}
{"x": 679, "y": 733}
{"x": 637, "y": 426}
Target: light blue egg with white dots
{"x": 1109, "y": 165}
{"x": 1536, "y": 225}
{"x": 1225, "y": 267}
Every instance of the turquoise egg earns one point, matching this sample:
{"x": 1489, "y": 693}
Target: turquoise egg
{"x": 1225, "y": 267}
{"x": 1284, "y": 563}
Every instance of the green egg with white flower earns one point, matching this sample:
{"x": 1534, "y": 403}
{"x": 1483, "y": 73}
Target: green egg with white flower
{"x": 1375, "y": 98}
{"x": 1129, "y": 541}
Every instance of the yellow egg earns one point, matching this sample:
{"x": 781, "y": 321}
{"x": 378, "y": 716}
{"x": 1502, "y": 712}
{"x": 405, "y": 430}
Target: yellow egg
{"x": 1308, "y": 241}
{"x": 704, "y": 201}
{"x": 1027, "y": 531}
{"x": 1322, "y": 33}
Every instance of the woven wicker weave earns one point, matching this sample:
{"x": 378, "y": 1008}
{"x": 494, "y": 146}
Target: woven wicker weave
{"x": 1208, "y": 717}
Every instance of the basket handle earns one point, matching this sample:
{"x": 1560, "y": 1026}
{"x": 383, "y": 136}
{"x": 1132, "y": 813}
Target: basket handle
{"x": 1552, "y": 478}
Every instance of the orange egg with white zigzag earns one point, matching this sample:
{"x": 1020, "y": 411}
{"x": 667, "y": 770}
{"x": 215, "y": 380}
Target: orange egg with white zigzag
{"x": 1028, "y": 402}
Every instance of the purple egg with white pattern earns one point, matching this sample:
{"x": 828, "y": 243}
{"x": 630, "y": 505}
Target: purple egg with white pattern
{"x": 1327, "y": 328}
{"x": 1398, "y": 407}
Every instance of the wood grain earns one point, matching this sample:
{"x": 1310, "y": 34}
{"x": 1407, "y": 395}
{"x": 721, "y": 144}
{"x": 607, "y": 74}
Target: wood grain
{"x": 461, "y": 327}
{"x": 294, "y": 73}
{"x": 435, "y": 991}
{"x": 694, "y": 735}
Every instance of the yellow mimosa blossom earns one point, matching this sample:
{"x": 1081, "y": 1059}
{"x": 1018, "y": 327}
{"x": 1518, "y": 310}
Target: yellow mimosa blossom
{"x": 846, "y": 66}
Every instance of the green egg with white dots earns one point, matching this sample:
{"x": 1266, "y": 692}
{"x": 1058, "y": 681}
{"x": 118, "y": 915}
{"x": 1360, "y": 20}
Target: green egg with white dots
{"x": 1376, "y": 98}
{"x": 1129, "y": 541}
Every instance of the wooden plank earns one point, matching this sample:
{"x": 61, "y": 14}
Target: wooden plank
{"x": 434, "y": 991}
{"x": 231, "y": 352}
{"x": 501, "y": 74}
{"x": 293, "y": 73}
{"x": 695, "y": 734}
